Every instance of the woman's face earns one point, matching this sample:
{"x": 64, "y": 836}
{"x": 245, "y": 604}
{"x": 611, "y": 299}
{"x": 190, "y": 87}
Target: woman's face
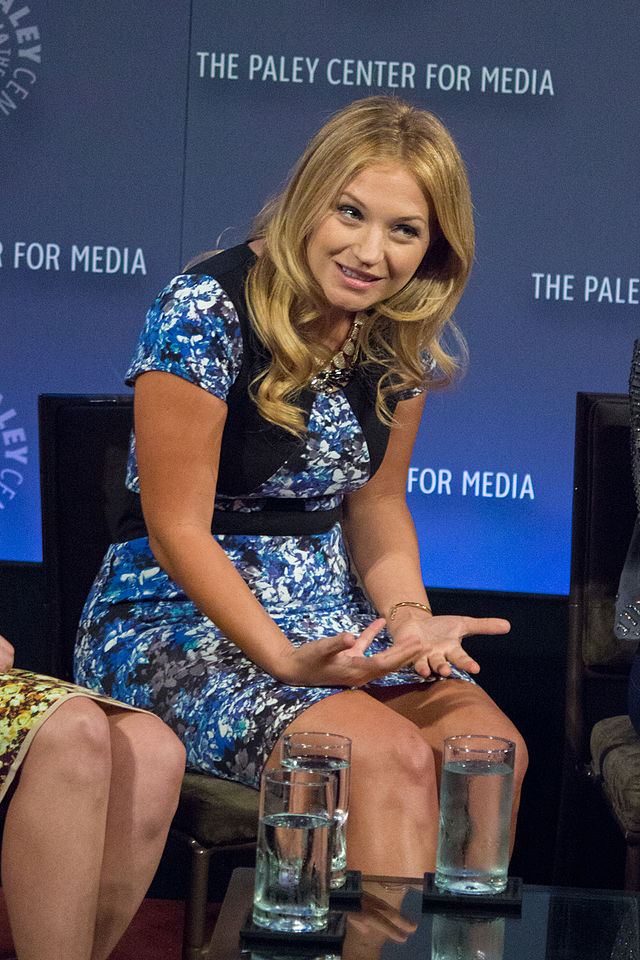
{"x": 371, "y": 242}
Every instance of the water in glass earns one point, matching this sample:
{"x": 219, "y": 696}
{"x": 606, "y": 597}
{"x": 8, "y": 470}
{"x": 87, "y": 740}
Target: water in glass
{"x": 339, "y": 769}
{"x": 328, "y": 753}
{"x": 475, "y": 813}
{"x": 291, "y": 884}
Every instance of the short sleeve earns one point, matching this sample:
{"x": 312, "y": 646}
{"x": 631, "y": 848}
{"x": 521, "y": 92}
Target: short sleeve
{"x": 192, "y": 331}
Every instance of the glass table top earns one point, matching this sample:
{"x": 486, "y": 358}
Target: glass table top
{"x": 555, "y": 923}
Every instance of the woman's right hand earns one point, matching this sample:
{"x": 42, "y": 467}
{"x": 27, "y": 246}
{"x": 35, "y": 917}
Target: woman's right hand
{"x": 340, "y": 661}
{"x": 6, "y": 655}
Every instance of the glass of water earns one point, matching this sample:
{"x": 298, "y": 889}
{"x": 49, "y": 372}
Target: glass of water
{"x": 328, "y": 753}
{"x": 291, "y": 890}
{"x": 476, "y": 795}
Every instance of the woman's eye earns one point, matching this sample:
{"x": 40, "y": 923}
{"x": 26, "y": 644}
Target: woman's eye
{"x": 352, "y": 213}
{"x": 407, "y": 230}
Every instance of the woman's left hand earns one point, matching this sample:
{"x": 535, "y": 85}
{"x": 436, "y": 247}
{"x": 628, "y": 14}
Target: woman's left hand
{"x": 441, "y": 639}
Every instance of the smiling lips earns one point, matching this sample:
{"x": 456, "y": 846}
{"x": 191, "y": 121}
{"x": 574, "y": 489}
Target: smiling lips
{"x": 357, "y": 279}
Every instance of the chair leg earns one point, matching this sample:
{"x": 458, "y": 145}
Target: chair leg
{"x": 196, "y": 903}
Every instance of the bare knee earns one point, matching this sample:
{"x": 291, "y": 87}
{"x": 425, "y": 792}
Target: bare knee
{"x": 148, "y": 757}
{"x": 73, "y": 743}
{"x": 166, "y": 754}
{"x": 82, "y": 738}
{"x": 521, "y": 757}
{"x": 397, "y": 755}
{"x": 521, "y": 761}
{"x": 388, "y": 750}
{"x": 157, "y": 746}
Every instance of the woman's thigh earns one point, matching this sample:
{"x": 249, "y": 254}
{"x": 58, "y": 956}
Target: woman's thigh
{"x": 380, "y": 735}
{"x": 449, "y": 707}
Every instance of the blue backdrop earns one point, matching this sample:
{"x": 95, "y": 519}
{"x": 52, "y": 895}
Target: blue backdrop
{"x": 161, "y": 129}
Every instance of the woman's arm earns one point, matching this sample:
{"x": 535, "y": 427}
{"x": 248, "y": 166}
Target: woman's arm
{"x": 178, "y": 436}
{"x": 6, "y": 655}
{"x": 384, "y": 547}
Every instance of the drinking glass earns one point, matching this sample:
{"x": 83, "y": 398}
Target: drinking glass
{"x": 329, "y": 753}
{"x": 476, "y": 795}
{"x": 456, "y": 937}
{"x": 291, "y": 890}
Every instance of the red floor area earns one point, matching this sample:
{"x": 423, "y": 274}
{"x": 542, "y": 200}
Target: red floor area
{"x": 155, "y": 932}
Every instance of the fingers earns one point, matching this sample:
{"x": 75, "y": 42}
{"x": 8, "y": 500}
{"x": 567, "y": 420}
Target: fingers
{"x": 422, "y": 667}
{"x": 397, "y": 655}
{"x": 443, "y": 668}
{"x": 433, "y": 663}
{"x": 337, "y": 643}
{"x": 369, "y": 634}
{"x": 485, "y": 625}
{"x": 344, "y": 656}
{"x": 440, "y": 662}
{"x": 343, "y": 661}
{"x": 460, "y": 658}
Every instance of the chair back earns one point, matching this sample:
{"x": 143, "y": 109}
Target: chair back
{"x": 83, "y": 448}
{"x": 604, "y": 512}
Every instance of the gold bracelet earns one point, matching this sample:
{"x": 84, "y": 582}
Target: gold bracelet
{"x": 408, "y": 603}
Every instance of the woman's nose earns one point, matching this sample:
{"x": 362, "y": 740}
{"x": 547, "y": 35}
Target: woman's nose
{"x": 369, "y": 245}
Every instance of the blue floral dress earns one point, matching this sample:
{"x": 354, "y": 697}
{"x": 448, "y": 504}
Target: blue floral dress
{"x": 141, "y": 639}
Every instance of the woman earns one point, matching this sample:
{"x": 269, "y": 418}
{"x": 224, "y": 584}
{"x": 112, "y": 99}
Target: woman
{"x": 90, "y": 788}
{"x": 274, "y": 422}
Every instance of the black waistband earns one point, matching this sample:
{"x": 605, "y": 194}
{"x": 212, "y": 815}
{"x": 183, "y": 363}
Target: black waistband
{"x": 279, "y": 519}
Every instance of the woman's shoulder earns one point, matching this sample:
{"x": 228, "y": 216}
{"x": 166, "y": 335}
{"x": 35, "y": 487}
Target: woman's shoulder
{"x": 228, "y": 267}
{"x": 193, "y": 330}
{"x": 198, "y": 290}
{"x": 208, "y": 289}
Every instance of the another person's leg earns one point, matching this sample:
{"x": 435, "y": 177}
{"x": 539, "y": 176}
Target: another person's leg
{"x": 146, "y": 774}
{"x": 54, "y": 835}
{"x": 393, "y": 809}
{"x": 86, "y": 827}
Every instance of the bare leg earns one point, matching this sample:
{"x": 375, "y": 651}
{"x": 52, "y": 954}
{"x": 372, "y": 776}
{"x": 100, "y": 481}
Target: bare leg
{"x": 449, "y": 707}
{"x": 147, "y": 769}
{"x": 393, "y": 809}
{"x": 86, "y": 827}
{"x": 54, "y": 834}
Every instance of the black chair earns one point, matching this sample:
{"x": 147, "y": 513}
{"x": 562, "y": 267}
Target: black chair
{"x": 600, "y": 749}
{"x": 83, "y": 449}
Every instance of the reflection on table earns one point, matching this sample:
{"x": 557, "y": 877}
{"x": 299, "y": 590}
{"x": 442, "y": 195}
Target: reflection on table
{"x": 391, "y": 924}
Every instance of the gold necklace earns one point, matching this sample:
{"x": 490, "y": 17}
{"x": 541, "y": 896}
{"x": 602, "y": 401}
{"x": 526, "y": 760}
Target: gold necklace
{"x": 337, "y": 371}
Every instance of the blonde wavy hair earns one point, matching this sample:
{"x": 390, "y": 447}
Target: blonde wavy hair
{"x": 284, "y": 298}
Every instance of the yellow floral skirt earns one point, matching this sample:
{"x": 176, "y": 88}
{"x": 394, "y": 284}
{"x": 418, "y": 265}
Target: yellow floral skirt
{"x": 26, "y": 700}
